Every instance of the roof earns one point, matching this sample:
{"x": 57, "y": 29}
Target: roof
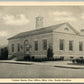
{"x": 41, "y": 30}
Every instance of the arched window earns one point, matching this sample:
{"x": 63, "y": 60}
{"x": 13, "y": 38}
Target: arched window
{"x": 26, "y": 42}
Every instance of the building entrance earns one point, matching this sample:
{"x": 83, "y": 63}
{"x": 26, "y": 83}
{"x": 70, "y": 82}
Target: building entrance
{"x": 26, "y": 50}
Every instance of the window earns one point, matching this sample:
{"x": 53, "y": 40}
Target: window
{"x": 80, "y": 46}
{"x": 18, "y": 47}
{"x": 71, "y": 45}
{"x": 26, "y": 42}
{"x": 44, "y": 44}
{"x": 12, "y": 47}
{"x": 66, "y": 29}
{"x": 36, "y": 45}
{"x": 61, "y": 44}
{"x": 27, "y": 48}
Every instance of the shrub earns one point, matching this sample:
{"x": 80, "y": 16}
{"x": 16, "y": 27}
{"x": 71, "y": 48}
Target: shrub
{"x": 73, "y": 61}
{"x": 33, "y": 57}
{"x": 61, "y": 58}
{"x": 81, "y": 61}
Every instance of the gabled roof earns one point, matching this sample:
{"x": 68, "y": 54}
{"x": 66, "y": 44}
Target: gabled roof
{"x": 42, "y": 30}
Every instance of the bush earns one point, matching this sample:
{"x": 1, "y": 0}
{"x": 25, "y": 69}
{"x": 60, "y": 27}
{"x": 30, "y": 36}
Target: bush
{"x": 4, "y": 53}
{"x": 80, "y": 61}
{"x": 33, "y": 58}
{"x": 73, "y": 61}
{"x": 61, "y": 58}
{"x": 27, "y": 57}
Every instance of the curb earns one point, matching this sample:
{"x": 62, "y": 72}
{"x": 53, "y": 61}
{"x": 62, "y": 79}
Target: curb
{"x": 69, "y": 67}
{"x": 17, "y": 63}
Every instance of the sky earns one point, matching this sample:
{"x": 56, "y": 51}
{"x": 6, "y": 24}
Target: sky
{"x": 17, "y": 19}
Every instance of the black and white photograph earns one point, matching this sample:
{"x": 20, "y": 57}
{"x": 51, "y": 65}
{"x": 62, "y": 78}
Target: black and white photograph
{"x": 42, "y": 41}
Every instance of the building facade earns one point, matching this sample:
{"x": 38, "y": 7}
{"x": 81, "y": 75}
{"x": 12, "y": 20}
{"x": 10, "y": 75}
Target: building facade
{"x": 63, "y": 38}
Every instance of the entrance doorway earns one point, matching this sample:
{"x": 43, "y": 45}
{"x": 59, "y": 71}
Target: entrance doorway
{"x": 26, "y": 50}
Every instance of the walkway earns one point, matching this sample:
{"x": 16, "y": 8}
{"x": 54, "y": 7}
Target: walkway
{"x": 60, "y": 64}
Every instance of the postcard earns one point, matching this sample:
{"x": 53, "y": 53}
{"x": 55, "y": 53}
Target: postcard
{"x": 41, "y": 42}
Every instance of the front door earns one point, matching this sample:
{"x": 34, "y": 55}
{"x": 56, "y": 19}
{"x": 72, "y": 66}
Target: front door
{"x": 26, "y": 50}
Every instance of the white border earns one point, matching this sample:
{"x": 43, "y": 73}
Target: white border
{"x": 41, "y": 3}
{"x": 41, "y": 80}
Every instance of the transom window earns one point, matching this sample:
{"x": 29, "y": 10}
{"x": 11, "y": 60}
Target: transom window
{"x": 26, "y": 42}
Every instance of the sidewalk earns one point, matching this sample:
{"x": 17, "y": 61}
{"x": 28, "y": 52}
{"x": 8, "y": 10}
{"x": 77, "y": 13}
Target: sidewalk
{"x": 16, "y": 62}
{"x": 63, "y": 64}
{"x": 69, "y": 64}
{"x": 60, "y": 64}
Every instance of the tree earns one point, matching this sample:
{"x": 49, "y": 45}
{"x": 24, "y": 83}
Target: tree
{"x": 4, "y": 53}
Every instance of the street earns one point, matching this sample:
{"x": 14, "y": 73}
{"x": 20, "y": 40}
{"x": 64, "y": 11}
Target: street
{"x": 38, "y": 70}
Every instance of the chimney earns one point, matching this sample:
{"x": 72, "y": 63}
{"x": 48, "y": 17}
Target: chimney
{"x": 39, "y": 22}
